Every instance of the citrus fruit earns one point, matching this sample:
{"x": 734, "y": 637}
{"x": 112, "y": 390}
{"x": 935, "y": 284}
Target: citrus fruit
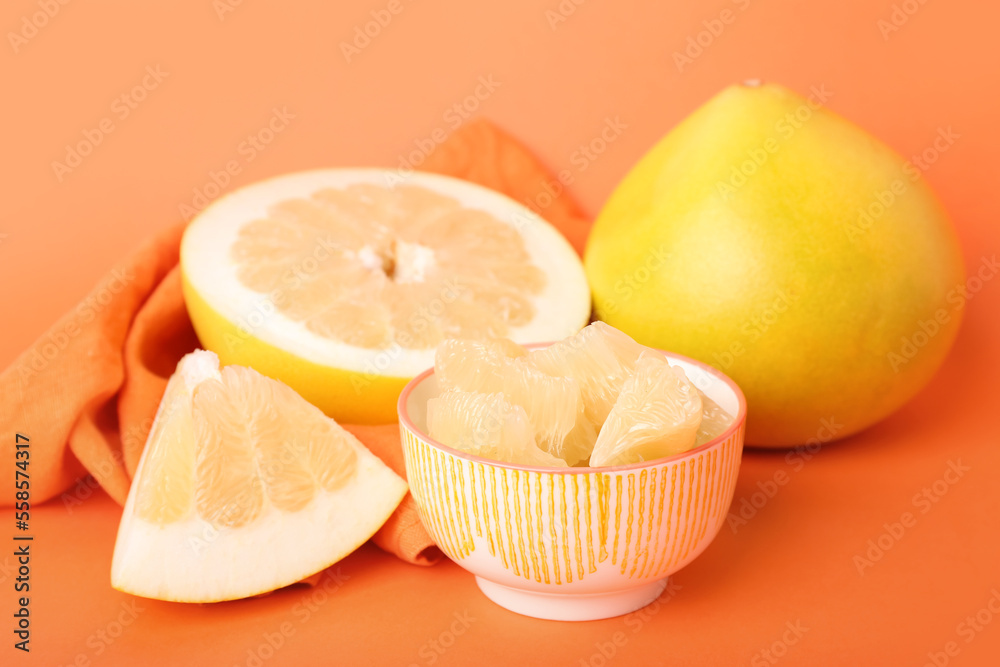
{"x": 657, "y": 414}
{"x": 341, "y": 283}
{"x": 596, "y": 398}
{"x": 243, "y": 487}
{"x": 474, "y": 365}
{"x": 714, "y": 420}
{"x": 553, "y": 404}
{"x": 485, "y": 425}
{"x": 599, "y": 358}
{"x": 769, "y": 237}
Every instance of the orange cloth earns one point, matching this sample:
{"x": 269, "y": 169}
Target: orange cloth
{"x": 86, "y": 392}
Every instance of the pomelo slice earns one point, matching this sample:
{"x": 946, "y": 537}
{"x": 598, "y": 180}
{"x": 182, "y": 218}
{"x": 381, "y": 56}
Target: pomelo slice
{"x": 243, "y": 487}
{"x": 486, "y": 425}
{"x": 341, "y": 282}
{"x": 657, "y": 414}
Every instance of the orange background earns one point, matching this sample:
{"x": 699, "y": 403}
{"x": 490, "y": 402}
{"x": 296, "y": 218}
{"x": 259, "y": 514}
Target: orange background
{"x": 792, "y": 562}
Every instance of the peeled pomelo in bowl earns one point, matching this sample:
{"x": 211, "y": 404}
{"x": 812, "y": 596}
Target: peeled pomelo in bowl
{"x": 556, "y": 521}
{"x": 341, "y": 282}
{"x": 775, "y": 240}
{"x": 595, "y": 399}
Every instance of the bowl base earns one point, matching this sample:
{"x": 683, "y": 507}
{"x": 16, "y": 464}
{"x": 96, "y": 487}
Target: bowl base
{"x": 570, "y": 607}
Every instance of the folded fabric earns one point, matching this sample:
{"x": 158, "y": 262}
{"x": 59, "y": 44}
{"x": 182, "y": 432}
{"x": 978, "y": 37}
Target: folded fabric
{"x": 86, "y": 392}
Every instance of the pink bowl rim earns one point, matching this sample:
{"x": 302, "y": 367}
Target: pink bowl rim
{"x": 741, "y": 415}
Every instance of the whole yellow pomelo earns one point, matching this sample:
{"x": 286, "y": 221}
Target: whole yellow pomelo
{"x": 773, "y": 239}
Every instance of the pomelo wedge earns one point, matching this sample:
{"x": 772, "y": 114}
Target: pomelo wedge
{"x": 657, "y": 414}
{"x": 243, "y": 487}
{"x": 341, "y": 282}
{"x": 599, "y": 358}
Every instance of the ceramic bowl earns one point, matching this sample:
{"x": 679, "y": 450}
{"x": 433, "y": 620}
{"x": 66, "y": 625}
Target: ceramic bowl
{"x": 573, "y": 543}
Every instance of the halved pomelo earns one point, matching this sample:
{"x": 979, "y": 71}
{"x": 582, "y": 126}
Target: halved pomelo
{"x": 243, "y": 487}
{"x": 341, "y": 282}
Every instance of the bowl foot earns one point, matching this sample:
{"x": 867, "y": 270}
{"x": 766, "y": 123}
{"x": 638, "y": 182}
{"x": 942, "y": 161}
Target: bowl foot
{"x": 571, "y": 607}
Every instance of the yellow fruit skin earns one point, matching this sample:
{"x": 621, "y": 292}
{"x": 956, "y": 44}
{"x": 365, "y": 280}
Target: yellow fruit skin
{"x": 778, "y": 280}
{"x": 349, "y": 397}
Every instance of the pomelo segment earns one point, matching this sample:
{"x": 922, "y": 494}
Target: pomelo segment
{"x": 485, "y": 425}
{"x": 714, "y": 420}
{"x": 599, "y": 358}
{"x": 597, "y": 398}
{"x": 475, "y": 365}
{"x": 657, "y": 414}
{"x": 553, "y": 404}
{"x": 243, "y": 487}
{"x": 342, "y": 282}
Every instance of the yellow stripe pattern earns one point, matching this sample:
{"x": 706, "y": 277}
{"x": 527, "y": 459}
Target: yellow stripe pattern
{"x": 559, "y": 527}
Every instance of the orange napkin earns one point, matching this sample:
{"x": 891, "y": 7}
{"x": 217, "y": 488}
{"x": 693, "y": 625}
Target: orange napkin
{"x": 86, "y": 392}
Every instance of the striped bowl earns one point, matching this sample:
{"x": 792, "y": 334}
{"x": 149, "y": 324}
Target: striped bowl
{"x": 574, "y": 543}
